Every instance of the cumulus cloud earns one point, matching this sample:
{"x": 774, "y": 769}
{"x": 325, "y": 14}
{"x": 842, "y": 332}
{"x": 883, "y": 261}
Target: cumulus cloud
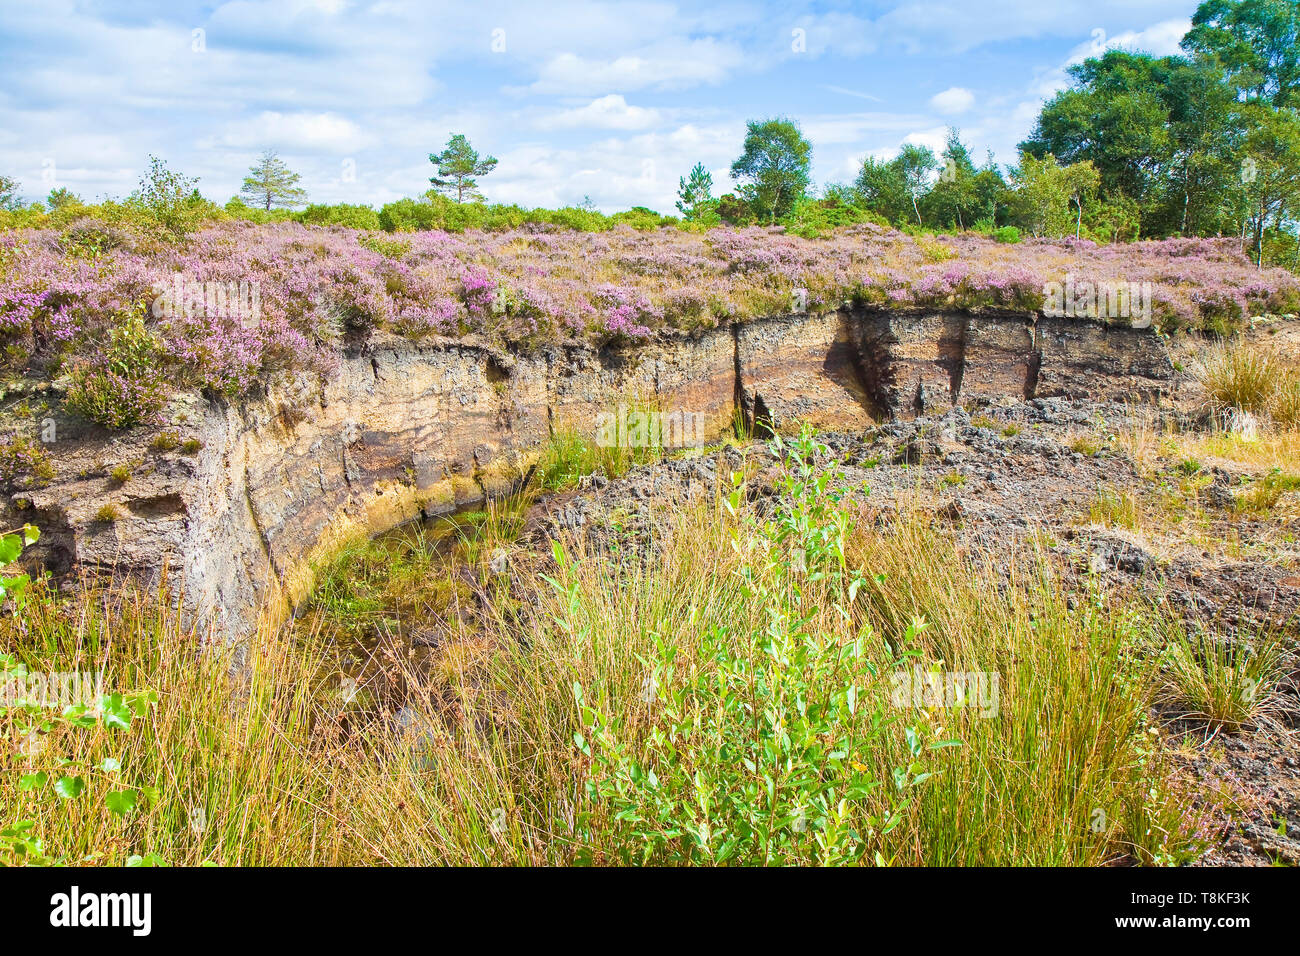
{"x": 326, "y": 132}
{"x": 607, "y": 112}
{"x": 953, "y": 100}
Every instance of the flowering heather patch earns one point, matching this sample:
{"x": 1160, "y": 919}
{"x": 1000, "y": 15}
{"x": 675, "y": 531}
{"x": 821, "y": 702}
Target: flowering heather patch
{"x": 59, "y": 298}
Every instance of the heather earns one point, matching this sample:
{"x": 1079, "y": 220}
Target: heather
{"x": 65, "y": 297}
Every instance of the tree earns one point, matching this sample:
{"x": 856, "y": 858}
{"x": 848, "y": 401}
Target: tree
{"x": 774, "y": 167}
{"x": 954, "y": 200}
{"x": 1047, "y": 193}
{"x": 169, "y": 197}
{"x": 458, "y": 166}
{"x": 271, "y": 183}
{"x": 694, "y": 193}
{"x": 60, "y": 197}
{"x": 1257, "y": 42}
{"x": 880, "y": 188}
{"x": 1116, "y": 116}
{"x": 915, "y": 164}
{"x": 1273, "y": 185}
{"x": 895, "y": 188}
{"x": 9, "y": 194}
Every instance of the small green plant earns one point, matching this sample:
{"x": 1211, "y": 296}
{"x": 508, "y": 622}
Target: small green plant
{"x": 1006, "y": 234}
{"x": 1263, "y": 494}
{"x": 120, "y": 474}
{"x": 24, "y": 463}
{"x": 13, "y": 584}
{"x": 953, "y": 479}
{"x": 108, "y": 513}
{"x": 1011, "y": 430}
{"x": 983, "y": 421}
{"x": 166, "y": 441}
{"x": 191, "y": 446}
{"x": 1189, "y": 467}
{"x": 1085, "y": 445}
{"x": 1115, "y": 510}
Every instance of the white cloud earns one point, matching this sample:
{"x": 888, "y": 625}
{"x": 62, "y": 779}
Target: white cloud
{"x": 953, "y": 100}
{"x": 325, "y": 132}
{"x": 607, "y": 112}
{"x": 672, "y": 64}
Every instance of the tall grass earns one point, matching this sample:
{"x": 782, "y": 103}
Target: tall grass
{"x": 1253, "y": 379}
{"x": 257, "y": 757}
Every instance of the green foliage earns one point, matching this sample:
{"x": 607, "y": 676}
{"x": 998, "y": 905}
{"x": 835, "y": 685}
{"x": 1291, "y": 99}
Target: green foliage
{"x": 63, "y": 779}
{"x": 1006, "y": 234}
{"x": 170, "y": 198}
{"x": 13, "y": 584}
{"x": 122, "y": 385}
{"x": 270, "y": 183}
{"x": 1257, "y": 42}
{"x": 9, "y": 200}
{"x": 695, "y": 193}
{"x": 62, "y": 198}
{"x": 1047, "y": 193}
{"x": 811, "y": 218}
{"x": 459, "y": 167}
{"x": 340, "y": 214}
{"x": 774, "y": 168}
{"x": 752, "y": 754}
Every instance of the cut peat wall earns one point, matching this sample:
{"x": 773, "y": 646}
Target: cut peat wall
{"x": 410, "y": 429}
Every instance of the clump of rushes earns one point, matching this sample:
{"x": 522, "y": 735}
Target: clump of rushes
{"x": 107, "y": 513}
{"x": 1235, "y": 375}
{"x": 1226, "y": 685}
{"x": 120, "y": 474}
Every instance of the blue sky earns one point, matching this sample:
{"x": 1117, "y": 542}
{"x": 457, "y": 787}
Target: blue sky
{"x": 576, "y": 98}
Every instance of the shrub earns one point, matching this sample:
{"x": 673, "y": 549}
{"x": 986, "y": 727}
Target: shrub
{"x": 24, "y": 463}
{"x": 122, "y": 385}
{"x": 1006, "y": 234}
{"x": 342, "y": 214}
{"x": 748, "y": 756}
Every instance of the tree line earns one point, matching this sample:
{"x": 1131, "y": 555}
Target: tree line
{"x": 1206, "y": 143}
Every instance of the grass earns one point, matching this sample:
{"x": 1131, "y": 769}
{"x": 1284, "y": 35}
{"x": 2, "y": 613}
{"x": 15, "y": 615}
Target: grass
{"x": 1114, "y": 509}
{"x": 1253, "y": 379}
{"x": 1225, "y": 685}
{"x": 268, "y": 757}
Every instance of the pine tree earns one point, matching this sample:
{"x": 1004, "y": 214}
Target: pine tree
{"x": 694, "y": 192}
{"x": 458, "y": 165}
{"x": 271, "y": 183}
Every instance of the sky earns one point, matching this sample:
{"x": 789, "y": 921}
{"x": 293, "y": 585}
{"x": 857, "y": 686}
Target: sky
{"x": 576, "y": 98}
